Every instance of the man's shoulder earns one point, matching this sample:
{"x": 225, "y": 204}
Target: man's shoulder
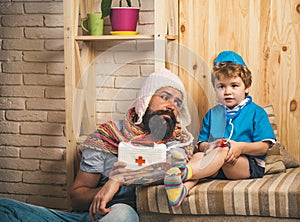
{"x": 119, "y": 123}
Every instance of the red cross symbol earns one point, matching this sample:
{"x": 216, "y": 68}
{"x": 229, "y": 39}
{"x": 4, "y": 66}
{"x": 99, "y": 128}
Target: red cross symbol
{"x": 140, "y": 161}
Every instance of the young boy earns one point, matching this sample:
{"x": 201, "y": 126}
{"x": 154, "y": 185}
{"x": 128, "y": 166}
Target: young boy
{"x": 235, "y": 135}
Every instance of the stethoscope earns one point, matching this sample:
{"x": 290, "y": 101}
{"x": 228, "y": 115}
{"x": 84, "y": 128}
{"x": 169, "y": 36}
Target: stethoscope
{"x": 232, "y": 116}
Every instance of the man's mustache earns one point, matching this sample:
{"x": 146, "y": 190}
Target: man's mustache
{"x": 167, "y": 112}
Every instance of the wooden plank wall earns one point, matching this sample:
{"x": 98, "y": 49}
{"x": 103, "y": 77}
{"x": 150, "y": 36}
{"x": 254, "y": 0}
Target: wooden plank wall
{"x": 266, "y": 34}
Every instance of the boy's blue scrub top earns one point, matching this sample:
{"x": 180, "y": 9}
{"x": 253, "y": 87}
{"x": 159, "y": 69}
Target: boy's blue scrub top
{"x": 250, "y": 125}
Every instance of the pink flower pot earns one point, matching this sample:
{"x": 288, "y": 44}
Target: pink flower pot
{"x": 124, "y": 18}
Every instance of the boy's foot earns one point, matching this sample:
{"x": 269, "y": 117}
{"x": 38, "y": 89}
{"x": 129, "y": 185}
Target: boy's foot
{"x": 175, "y": 189}
{"x": 178, "y": 160}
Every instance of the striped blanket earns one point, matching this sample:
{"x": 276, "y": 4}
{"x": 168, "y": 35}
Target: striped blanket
{"x": 276, "y": 195}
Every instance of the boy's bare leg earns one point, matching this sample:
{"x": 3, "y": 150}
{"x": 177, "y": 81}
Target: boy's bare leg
{"x": 213, "y": 162}
{"x": 189, "y": 184}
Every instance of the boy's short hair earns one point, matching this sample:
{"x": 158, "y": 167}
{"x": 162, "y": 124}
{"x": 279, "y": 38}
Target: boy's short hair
{"x": 231, "y": 65}
{"x": 231, "y": 70}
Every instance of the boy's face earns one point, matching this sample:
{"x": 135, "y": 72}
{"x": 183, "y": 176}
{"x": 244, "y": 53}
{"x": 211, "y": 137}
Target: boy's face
{"x": 230, "y": 91}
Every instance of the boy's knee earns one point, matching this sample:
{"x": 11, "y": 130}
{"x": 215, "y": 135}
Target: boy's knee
{"x": 198, "y": 155}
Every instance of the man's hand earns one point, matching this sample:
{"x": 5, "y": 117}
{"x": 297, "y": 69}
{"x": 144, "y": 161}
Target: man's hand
{"x": 104, "y": 195}
{"x": 147, "y": 175}
{"x": 118, "y": 172}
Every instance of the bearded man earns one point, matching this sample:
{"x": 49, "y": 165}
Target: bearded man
{"x": 160, "y": 115}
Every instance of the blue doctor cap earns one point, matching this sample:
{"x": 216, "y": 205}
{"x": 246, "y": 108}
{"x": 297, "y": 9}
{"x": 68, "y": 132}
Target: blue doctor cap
{"x": 229, "y": 56}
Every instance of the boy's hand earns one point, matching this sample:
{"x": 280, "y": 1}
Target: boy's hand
{"x": 222, "y": 143}
{"x": 215, "y": 144}
{"x": 233, "y": 153}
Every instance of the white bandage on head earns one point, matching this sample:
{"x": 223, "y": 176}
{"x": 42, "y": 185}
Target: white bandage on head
{"x": 155, "y": 81}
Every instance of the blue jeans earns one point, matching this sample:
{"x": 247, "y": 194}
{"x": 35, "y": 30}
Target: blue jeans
{"x": 15, "y": 211}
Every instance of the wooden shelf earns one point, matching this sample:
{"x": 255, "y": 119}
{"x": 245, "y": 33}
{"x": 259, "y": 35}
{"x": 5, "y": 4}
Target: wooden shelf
{"x": 113, "y": 37}
{"x": 171, "y": 37}
{"x": 80, "y": 54}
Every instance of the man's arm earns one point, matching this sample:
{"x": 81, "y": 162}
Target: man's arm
{"x": 86, "y": 196}
{"x": 83, "y": 190}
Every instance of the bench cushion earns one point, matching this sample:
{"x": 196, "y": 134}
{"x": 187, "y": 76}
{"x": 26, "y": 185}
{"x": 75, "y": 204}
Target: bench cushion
{"x": 275, "y": 195}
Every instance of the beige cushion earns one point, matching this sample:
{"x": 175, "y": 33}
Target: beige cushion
{"x": 274, "y": 160}
{"x": 278, "y": 158}
{"x": 288, "y": 159}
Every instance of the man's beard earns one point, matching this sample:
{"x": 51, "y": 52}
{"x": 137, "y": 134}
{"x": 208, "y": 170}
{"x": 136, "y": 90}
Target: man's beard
{"x": 160, "y": 124}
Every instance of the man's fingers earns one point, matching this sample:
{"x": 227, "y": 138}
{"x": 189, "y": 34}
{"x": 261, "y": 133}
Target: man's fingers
{"x": 119, "y": 164}
{"x": 103, "y": 207}
{"x": 98, "y": 208}
{"x": 118, "y": 168}
{"x": 91, "y": 214}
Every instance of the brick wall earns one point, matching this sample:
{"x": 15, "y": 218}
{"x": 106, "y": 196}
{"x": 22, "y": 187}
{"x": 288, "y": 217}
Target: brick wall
{"x": 32, "y": 142}
{"x": 32, "y": 117}
{"x": 121, "y": 67}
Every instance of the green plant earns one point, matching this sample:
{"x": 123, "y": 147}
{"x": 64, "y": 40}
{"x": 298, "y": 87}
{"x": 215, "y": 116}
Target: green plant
{"x": 106, "y": 6}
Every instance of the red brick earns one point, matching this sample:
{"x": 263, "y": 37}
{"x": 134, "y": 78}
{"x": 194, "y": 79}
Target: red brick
{"x": 53, "y": 141}
{"x": 22, "y": 20}
{"x": 44, "y": 33}
{"x": 55, "y": 92}
{"x": 43, "y": 56}
{"x": 33, "y": 189}
{"x": 22, "y": 67}
{"x": 10, "y": 176}
{"x": 56, "y": 117}
{"x": 7, "y": 8}
{"x": 19, "y": 140}
{"x": 45, "y": 80}
{"x": 9, "y": 127}
{"x": 8, "y": 151}
{"x": 23, "y": 44}
{"x": 22, "y": 91}
{"x": 24, "y": 115}
{"x": 53, "y": 166}
{"x": 19, "y": 164}
{"x": 42, "y": 153}
{"x": 39, "y": 177}
{"x": 42, "y": 129}
{"x": 12, "y": 103}
{"x": 45, "y": 104}
{"x": 44, "y": 7}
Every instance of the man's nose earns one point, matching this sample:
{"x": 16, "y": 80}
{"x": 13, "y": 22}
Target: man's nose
{"x": 171, "y": 104}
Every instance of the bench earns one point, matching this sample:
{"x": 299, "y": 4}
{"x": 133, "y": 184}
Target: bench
{"x": 275, "y": 197}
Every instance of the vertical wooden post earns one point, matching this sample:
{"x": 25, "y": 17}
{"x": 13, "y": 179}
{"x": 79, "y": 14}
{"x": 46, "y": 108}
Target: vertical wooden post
{"x": 78, "y": 81}
{"x": 172, "y": 41}
{"x": 70, "y": 21}
{"x": 159, "y": 34}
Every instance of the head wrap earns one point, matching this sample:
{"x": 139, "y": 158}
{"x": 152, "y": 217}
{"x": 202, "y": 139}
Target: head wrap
{"x": 229, "y": 56}
{"x": 155, "y": 81}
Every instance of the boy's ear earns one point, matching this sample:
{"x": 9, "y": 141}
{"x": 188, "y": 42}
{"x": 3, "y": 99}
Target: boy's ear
{"x": 247, "y": 90}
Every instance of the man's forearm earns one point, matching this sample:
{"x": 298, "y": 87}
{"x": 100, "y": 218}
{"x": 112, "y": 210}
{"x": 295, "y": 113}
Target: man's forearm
{"x": 82, "y": 197}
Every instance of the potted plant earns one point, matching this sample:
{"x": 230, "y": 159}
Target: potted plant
{"x": 123, "y": 19}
